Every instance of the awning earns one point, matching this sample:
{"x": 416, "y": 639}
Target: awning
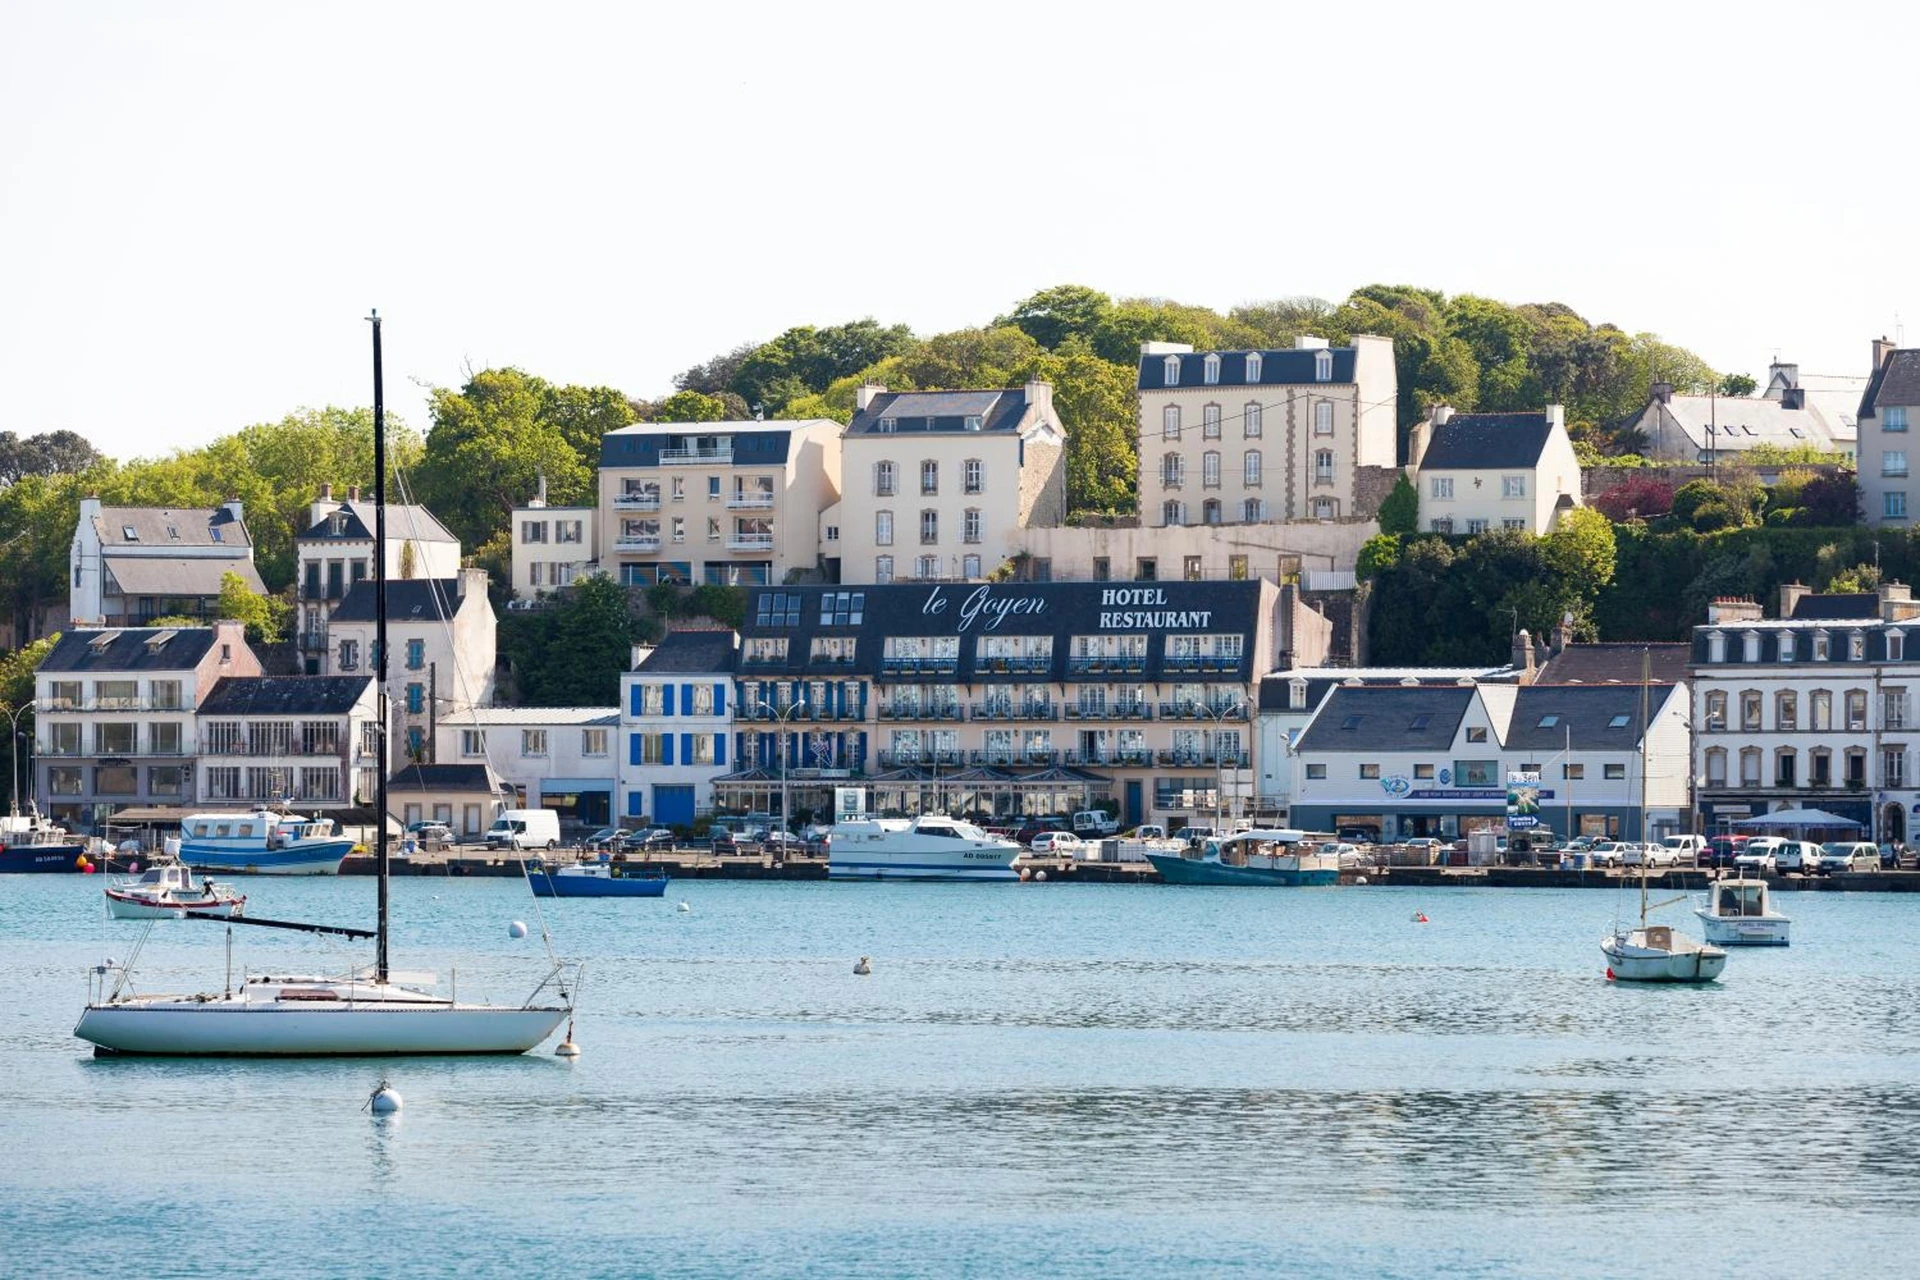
{"x": 1800, "y": 820}
{"x": 158, "y": 815}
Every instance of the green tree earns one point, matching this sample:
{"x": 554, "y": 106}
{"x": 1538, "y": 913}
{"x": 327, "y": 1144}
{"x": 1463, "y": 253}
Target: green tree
{"x": 1095, "y": 399}
{"x": 1737, "y": 384}
{"x": 690, "y": 406}
{"x": 491, "y": 443}
{"x": 807, "y": 360}
{"x": 1051, "y": 316}
{"x": 265, "y": 616}
{"x": 572, "y": 654}
{"x": 1581, "y": 552}
{"x": 1378, "y": 555}
{"x": 999, "y": 357}
{"x": 1400, "y": 510}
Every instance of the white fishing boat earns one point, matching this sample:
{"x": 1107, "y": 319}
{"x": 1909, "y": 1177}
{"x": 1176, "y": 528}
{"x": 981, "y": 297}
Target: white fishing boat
{"x": 370, "y": 1012}
{"x": 1740, "y": 913}
{"x": 1649, "y": 952}
{"x": 264, "y": 841}
{"x": 930, "y": 847}
{"x": 167, "y": 891}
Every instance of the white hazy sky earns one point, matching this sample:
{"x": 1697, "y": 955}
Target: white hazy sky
{"x": 198, "y": 201}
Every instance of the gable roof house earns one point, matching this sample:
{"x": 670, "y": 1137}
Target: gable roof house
{"x": 1708, "y": 429}
{"x": 441, "y": 638}
{"x": 336, "y": 551}
{"x": 130, "y": 565}
{"x": 1889, "y": 413}
{"x": 304, "y": 739}
{"x": 1481, "y": 471}
{"x": 1836, "y": 395}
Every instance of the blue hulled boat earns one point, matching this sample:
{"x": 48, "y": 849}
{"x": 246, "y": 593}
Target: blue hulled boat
{"x": 263, "y": 841}
{"x": 34, "y": 844}
{"x": 1260, "y": 857}
{"x": 596, "y": 880}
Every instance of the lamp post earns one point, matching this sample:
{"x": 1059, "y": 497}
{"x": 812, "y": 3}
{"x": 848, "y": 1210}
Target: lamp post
{"x": 781, "y": 747}
{"x": 1217, "y": 714}
{"x": 13, "y": 720}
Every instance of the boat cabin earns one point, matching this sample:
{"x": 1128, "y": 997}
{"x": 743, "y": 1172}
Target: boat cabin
{"x": 1735, "y": 898}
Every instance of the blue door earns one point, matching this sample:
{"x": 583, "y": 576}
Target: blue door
{"x": 1135, "y": 809}
{"x": 673, "y": 806}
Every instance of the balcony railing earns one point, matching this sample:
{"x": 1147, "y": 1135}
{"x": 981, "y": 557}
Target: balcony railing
{"x": 637, "y": 542}
{"x": 1016, "y": 757}
{"x": 1201, "y": 711}
{"x": 1111, "y": 757}
{"x": 750, "y": 542}
{"x": 919, "y": 666}
{"x": 637, "y": 501}
{"x": 1125, "y": 664}
{"x": 749, "y": 501}
{"x": 1001, "y": 665}
{"x": 1199, "y": 662}
{"x": 925, "y": 758}
{"x": 1193, "y": 758}
{"x": 1119, "y": 711}
{"x": 692, "y": 457}
{"x": 113, "y": 704}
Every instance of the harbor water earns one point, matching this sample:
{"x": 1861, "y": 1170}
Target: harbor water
{"x": 1058, "y": 1080}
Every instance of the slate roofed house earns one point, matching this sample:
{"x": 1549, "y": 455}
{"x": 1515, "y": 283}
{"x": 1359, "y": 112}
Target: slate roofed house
{"x": 1889, "y": 413}
{"x": 1481, "y": 471}
{"x": 467, "y": 797}
{"x": 441, "y": 638}
{"x": 1703, "y": 429}
{"x": 677, "y": 712}
{"x": 335, "y": 551}
{"x": 305, "y": 739}
{"x": 131, "y": 565}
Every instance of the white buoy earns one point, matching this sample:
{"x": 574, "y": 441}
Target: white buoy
{"x": 685, "y": 907}
{"x": 1359, "y": 879}
{"x": 567, "y": 1048}
{"x": 862, "y": 967}
{"x": 1040, "y": 877}
{"x": 385, "y": 1100}
{"x": 518, "y": 929}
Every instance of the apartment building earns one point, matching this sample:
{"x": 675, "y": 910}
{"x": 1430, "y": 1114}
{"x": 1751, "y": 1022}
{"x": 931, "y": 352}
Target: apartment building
{"x": 559, "y": 758}
{"x": 553, "y": 547}
{"x": 311, "y": 741}
{"x": 940, "y": 485}
{"x": 1247, "y": 437}
{"x": 732, "y": 503}
{"x": 128, "y": 566}
{"x": 1889, "y": 412}
{"x": 1481, "y": 471}
{"x": 336, "y": 552}
{"x": 677, "y": 716}
{"x": 115, "y": 715}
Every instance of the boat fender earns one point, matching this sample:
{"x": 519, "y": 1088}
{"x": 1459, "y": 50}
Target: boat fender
{"x": 1040, "y": 877}
{"x": 1610, "y": 977}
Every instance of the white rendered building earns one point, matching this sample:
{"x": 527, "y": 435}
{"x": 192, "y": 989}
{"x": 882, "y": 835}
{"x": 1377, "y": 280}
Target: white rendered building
{"x": 676, "y": 719}
{"x": 559, "y": 758}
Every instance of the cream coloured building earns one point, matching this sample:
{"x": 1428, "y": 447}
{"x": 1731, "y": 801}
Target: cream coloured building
{"x": 552, "y": 547}
{"x": 940, "y": 485}
{"x": 1247, "y": 437}
{"x": 731, "y": 503}
{"x": 1482, "y": 471}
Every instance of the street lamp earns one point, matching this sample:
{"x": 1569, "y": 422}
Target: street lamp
{"x": 1217, "y": 714}
{"x": 13, "y": 720}
{"x": 781, "y": 747}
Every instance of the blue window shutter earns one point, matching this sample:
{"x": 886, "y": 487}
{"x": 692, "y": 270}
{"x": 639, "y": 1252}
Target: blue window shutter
{"x": 666, "y": 699}
{"x": 720, "y": 699}
{"x": 666, "y": 748}
{"x": 720, "y": 748}
{"x": 686, "y": 699}
{"x": 686, "y": 748}
{"x": 633, "y": 748}
{"x": 633, "y": 803}
{"x": 633, "y": 700}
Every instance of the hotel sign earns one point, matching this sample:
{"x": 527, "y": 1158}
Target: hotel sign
{"x": 1120, "y": 609}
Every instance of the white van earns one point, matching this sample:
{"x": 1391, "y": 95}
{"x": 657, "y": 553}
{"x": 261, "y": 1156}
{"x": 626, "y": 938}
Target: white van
{"x": 525, "y": 829}
{"x": 1687, "y": 848}
{"x": 1093, "y": 824}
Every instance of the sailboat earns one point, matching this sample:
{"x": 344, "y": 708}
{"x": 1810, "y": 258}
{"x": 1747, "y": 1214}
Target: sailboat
{"x": 1649, "y": 952}
{"x": 362, "y": 1013}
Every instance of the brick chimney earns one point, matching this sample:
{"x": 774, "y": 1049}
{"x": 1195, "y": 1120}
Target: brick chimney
{"x": 1881, "y": 350}
{"x": 1791, "y": 594}
{"x": 1897, "y": 603}
{"x": 1729, "y": 609}
{"x": 1523, "y": 656}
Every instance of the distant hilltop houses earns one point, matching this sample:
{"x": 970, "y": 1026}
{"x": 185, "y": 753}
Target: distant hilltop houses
{"x": 923, "y": 619}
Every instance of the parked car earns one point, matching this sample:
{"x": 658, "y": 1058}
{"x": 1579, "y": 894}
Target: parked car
{"x": 1026, "y": 833}
{"x": 1194, "y": 837}
{"x": 1063, "y": 844}
{"x": 1358, "y": 835}
{"x": 724, "y": 843}
{"x": 430, "y": 833}
{"x": 1654, "y": 855}
{"x": 1722, "y": 850}
{"x": 1094, "y": 823}
{"x": 1848, "y": 855}
{"x": 1760, "y": 855}
{"x": 1688, "y": 849}
{"x": 1797, "y": 855}
{"x": 782, "y": 842}
{"x": 601, "y": 840}
{"x": 1608, "y": 853}
{"x": 1149, "y": 831}
{"x": 646, "y": 841}
{"x": 1427, "y": 845}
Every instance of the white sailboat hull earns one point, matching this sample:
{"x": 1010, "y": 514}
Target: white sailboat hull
{"x": 1630, "y": 959}
{"x": 238, "y": 1027}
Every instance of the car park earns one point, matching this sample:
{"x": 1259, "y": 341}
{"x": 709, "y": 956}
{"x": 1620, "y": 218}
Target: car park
{"x": 1653, "y": 855}
{"x": 1848, "y": 855}
{"x": 782, "y": 842}
{"x": 1722, "y": 850}
{"x": 646, "y": 841}
{"x": 1059, "y": 843}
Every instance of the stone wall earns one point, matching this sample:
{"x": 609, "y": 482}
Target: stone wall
{"x": 1371, "y": 485}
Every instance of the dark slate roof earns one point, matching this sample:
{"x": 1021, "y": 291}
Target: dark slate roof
{"x": 941, "y": 411}
{"x": 1862, "y": 607}
{"x": 441, "y": 777}
{"x": 1485, "y": 441}
{"x": 1585, "y": 711}
{"x": 176, "y": 576}
{"x": 1616, "y": 663}
{"x": 1896, "y": 382}
{"x": 1384, "y": 718}
{"x": 284, "y": 695}
{"x": 1275, "y": 693}
{"x": 170, "y": 527}
{"x": 1277, "y": 368}
{"x": 408, "y": 600}
{"x": 129, "y": 650}
{"x": 404, "y": 520}
{"x": 754, "y": 444}
{"x": 693, "y": 652}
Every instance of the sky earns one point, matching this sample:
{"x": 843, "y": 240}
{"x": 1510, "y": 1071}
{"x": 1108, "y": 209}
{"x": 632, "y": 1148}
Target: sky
{"x": 199, "y": 201}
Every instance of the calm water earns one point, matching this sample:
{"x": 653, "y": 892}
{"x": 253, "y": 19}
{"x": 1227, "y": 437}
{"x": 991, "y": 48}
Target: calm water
{"x": 1039, "y": 1079}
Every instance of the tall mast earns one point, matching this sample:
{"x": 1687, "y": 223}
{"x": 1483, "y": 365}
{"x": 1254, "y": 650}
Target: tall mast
{"x": 1646, "y": 852}
{"x": 380, "y": 646}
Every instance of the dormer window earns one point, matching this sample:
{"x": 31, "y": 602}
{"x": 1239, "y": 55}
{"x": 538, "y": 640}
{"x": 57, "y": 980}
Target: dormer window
{"x": 1716, "y": 647}
{"x": 1210, "y": 372}
{"x": 1297, "y": 694}
{"x": 1253, "y": 366}
{"x": 1750, "y": 647}
{"x": 1896, "y": 646}
{"x": 973, "y": 422}
{"x": 1786, "y": 646}
{"x": 888, "y": 425}
{"x": 1323, "y": 366}
{"x": 1820, "y": 650}
{"x": 1856, "y": 645}
{"x": 1171, "y": 371}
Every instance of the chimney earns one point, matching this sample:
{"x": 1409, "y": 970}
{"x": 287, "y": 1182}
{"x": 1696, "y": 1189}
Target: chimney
{"x": 1793, "y": 398}
{"x": 233, "y": 508}
{"x": 864, "y": 393}
{"x": 1730, "y": 609}
{"x": 1040, "y": 398}
{"x": 1897, "y": 603}
{"x": 472, "y": 582}
{"x": 1523, "y": 655}
{"x": 1662, "y": 392}
{"x": 641, "y": 652}
{"x": 1881, "y": 350}
{"x": 326, "y": 491}
{"x": 1782, "y": 375}
{"x": 1563, "y": 633}
{"x": 540, "y": 492}
{"x": 1417, "y": 441}
{"x": 1557, "y": 416}
{"x": 1166, "y": 348}
{"x": 1308, "y": 342}
{"x": 353, "y": 493}
{"x": 1791, "y": 594}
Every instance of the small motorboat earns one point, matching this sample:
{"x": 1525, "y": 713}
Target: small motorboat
{"x": 1739, "y": 913}
{"x": 597, "y": 880}
{"x": 167, "y": 892}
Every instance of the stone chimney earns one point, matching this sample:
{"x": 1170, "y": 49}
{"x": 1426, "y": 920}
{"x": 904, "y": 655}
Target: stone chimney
{"x": 641, "y": 652}
{"x": 1791, "y": 594}
{"x": 540, "y": 492}
{"x": 1897, "y": 603}
{"x": 1557, "y": 416}
{"x": 1793, "y": 398}
{"x": 1783, "y": 375}
{"x": 1662, "y": 392}
{"x": 1308, "y": 342}
{"x": 1040, "y": 398}
{"x": 1523, "y": 656}
{"x": 353, "y": 493}
{"x": 233, "y": 507}
{"x": 1563, "y": 633}
{"x": 1730, "y": 609}
{"x": 864, "y": 393}
{"x": 1881, "y": 350}
{"x": 326, "y": 491}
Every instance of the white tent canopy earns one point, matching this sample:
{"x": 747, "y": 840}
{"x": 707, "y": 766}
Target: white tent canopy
{"x": 1798, "y": 820}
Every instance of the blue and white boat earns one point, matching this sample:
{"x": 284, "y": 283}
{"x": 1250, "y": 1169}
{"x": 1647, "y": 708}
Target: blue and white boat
{"x": 930, "y": 847}
{"x": 33, "y": 844}
{"x": 1258, "y": 857}
{"x": 264, "y": 841}
{"x": 597, "y": 880}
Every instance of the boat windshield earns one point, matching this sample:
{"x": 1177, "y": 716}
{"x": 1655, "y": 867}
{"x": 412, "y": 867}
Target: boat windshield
{"x": 1741, "y": 900}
